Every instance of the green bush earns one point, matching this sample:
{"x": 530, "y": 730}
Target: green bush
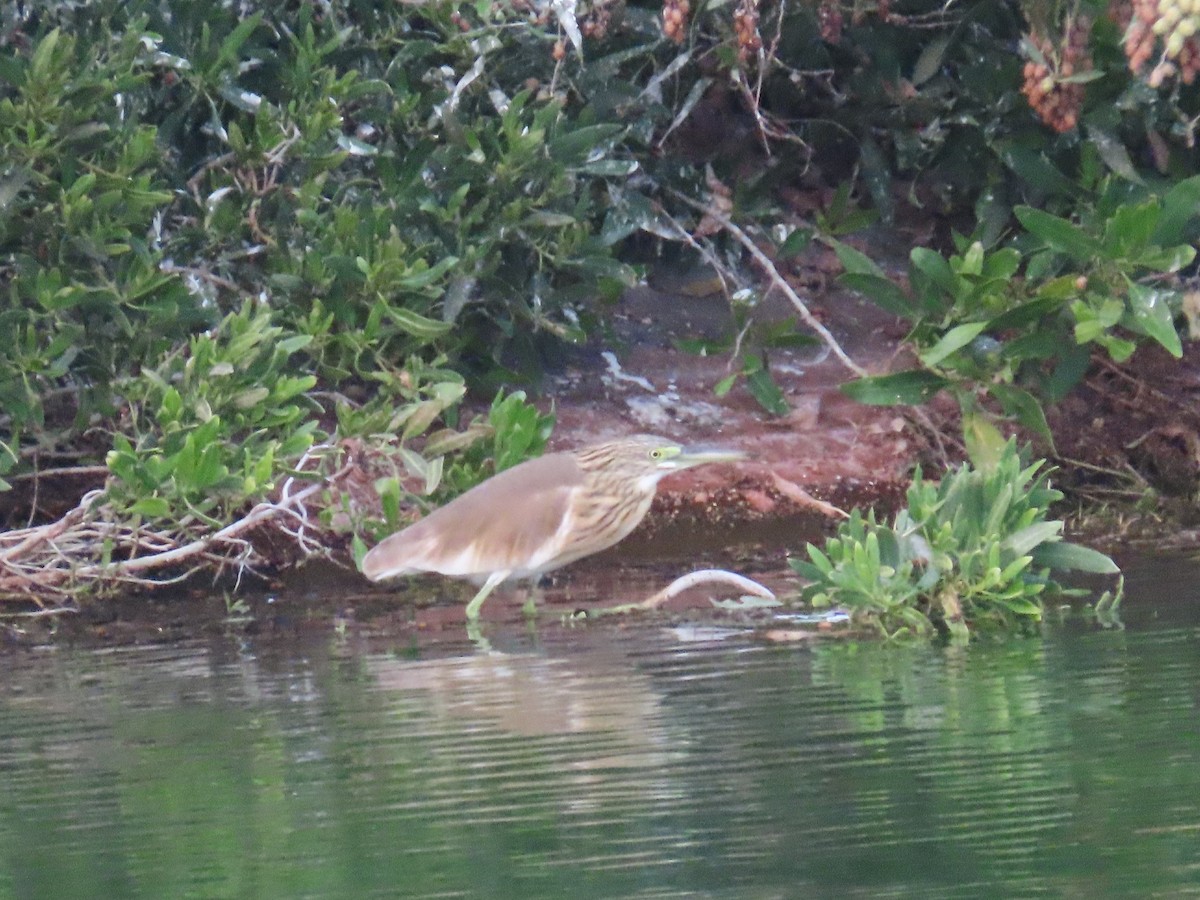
{"x": 973, "y": 551}
{"x": 397, "y": 223}
{"x": 1017, "y": 324}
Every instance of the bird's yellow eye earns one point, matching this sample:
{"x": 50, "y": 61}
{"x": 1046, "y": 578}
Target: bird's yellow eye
{"x": 656, "y": 454}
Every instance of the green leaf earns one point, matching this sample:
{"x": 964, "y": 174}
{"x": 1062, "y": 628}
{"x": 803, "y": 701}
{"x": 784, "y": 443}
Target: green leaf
{"x": 1002, "y": 264}
{"x": 954, "y": 339}
{"x": 933, "y": 266}
{"x": 1180, "y": 209}
{"x": 855, "y": 262}
{"x": 295, "y": 342}
{"x": 930, "y": 61}
{"x": 985, "y": 443}
{"x": 1027, "y": 313}
{"x": 1152, "y": 315}
{"x": 1073, "y": 363}
{"x": 971, "y": 262}
{"x": 1059, "y": 234}
{"x": 417, "y": 325}
{"x": 419, "y": 277}
{"x": 251, "y": 397}
{"x": 151, "y": 507}
{"x": 1166, "y": 259}
{"x": 1131, "y": 227}
{"x": 43, "y": 56}
{"x": 1024, "y": 541}
{"x": 1024, "y": 407}
{"x": 608, "y": 168}
{"x": 233, "y": 43}
{"x": 1033, "y": 51}
{"x": 881, "y": 291}
{"x": 911, "y": 388}
{"x": 358, "y": 549}
{"x": 1063, "y": 556}
{"x": 764, "y": 389}
{"x": 1021, "y": 606}
{"x": 725, "y": 385}
{"x": 807, "y": 570}
{"x": 1112, "y": 150}
{"x": 355, "y": 147}
{"x": 1061, "y": 288}
{"x": 575, "y": 147}
{"x": 1034, "y": 167}
{"x": 795, "y": 243}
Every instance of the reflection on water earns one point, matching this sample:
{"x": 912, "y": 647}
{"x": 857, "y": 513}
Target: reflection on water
{"x": 613, "y": 763}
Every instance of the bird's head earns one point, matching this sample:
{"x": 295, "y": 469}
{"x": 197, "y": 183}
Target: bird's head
{"x": 646, "y": 458}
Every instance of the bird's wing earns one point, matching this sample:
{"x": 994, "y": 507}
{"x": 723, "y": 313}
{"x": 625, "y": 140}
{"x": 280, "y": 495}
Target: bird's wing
{"x": 504, "y": 524}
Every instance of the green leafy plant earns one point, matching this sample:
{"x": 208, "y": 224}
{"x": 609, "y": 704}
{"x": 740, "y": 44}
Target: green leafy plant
{"x": 515, "y": 430}
{"x": 398, "y": 220}
{"x": 213, "y": 425}
{"x": 974, "y": 551}
{"x": 982, "y": 330}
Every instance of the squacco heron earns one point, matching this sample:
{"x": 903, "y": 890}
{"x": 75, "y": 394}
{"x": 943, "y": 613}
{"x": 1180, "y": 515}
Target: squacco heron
{"x": 539, "y": 515}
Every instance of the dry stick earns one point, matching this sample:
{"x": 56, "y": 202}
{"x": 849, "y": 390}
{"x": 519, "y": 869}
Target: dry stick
{"x": 777, "y": 280}
{"x": 260, "y": 513}
{"x": 47, "y": 580}
{"x": 705, "y": 576}
{"x": 79, "y": 471}
{"x": 202, "y": 274}
{"x": 39, "y": 613}
{"x": 45, "y": 533}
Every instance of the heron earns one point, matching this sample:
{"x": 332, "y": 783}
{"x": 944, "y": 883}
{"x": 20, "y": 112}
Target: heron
{"x": 539, "y": 515}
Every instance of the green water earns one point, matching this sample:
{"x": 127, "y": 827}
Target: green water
{"x": 612, "y": 762}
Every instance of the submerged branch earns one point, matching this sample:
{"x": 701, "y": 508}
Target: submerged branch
{"x": 706, "y": 576}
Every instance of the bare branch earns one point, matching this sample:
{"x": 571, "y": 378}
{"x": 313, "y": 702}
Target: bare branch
{"x": 776, "y": 279}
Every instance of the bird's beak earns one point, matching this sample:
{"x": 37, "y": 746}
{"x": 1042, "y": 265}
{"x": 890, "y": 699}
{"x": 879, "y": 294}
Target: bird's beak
{"x": 701, "y": 455}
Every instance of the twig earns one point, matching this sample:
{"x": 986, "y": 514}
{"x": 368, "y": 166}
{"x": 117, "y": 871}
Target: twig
{"x": 44, "y": 559}
{"x": 57, "y": 471}
{"x": 45, "y": 533}
{"x": 777, "y": 280}
{"x": 259, "y": 514}
{"x": 39, "y": 613}
{"x": 202, "y": 274}
{"x": 706, "y": 576}
{"x": 1141, "y": 385}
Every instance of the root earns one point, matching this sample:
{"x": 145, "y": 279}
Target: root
{"x": 92, "y": 547}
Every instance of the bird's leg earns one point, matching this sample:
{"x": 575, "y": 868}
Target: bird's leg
{"x": 532, "y": 595}
{"x": 477, "y": 601}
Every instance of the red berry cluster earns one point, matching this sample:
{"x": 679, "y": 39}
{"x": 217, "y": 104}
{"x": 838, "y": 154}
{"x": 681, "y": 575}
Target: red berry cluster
{"x": 745, "y": 27}
{"x": 596, "y": 23}
{"x": 1175, "y": 22}
{"x": 1057, "y": 101}
{"x": 1139, "y": 38}
{"x": 675, "y": 16}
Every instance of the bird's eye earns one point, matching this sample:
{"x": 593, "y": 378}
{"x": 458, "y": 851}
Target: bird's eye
{"x": 656, "y": 454}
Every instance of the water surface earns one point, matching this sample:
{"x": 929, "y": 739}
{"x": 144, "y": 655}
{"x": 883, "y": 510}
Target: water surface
{"x": 612, "y": 761}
